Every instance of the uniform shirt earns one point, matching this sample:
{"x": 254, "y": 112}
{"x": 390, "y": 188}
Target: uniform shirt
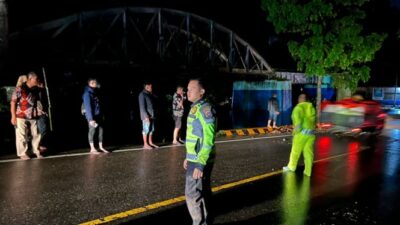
{"x": 303, "y": 117}
{"x": 200, "y": 135}
{"x": 26, "y": 102}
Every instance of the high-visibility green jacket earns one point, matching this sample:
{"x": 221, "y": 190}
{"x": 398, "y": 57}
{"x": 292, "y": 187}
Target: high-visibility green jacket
{"x": 200, "y": 134}
{"x": 303, "y": 118}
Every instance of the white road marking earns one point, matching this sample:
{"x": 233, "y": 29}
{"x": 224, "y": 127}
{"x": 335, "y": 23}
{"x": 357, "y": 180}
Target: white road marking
{"x": 141, "y": 149}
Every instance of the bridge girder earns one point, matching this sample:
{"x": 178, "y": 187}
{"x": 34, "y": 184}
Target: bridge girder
{"x": 136, "y": 36}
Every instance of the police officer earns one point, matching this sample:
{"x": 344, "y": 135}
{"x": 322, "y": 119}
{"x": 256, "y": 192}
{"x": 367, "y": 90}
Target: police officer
{"x": 303, "y": 118}
{"x": 200, "y": 153}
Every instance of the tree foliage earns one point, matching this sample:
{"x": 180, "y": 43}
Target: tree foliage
{"x": 327, "y": 37}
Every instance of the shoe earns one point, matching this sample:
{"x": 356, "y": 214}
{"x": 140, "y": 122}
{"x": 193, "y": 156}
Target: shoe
{"x": 39, "y": 156}
{"x": 285, "y": 168}
{"x": 25, "y": 157}
{"x": 176, "y": 143}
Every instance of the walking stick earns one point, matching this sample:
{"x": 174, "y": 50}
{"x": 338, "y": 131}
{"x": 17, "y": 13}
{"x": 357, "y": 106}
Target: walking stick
{"x": 48, "y": 98}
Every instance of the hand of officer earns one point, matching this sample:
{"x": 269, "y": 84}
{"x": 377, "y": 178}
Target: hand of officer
{"x": 197, "y": 174}
{"x": 185, "y": 164}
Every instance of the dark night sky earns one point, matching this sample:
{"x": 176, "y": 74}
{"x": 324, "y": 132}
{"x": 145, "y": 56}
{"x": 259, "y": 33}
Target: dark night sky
{"x": 245, "y": 17}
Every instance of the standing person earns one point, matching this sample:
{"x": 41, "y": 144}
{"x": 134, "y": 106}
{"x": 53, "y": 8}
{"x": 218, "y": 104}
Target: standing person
{"x": 147, "y": 114}
{"x": 177, "y": 110}
{"x": 94, "y": 114}
{"x": 24, "y": 116}
{"x": 200, "y": 153}
{"x": 42, "y": 107}
{"x": 273, "y": 109}
{"x": 303, "y": 117}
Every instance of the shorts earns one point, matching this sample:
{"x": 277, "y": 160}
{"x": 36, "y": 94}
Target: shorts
{"x": 148, "y": 127}
{"x": 178, "y": 121}
{"x": 272, "y": 116}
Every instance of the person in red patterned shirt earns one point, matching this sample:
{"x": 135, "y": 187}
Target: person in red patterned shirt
{"x": 24, "y": 116}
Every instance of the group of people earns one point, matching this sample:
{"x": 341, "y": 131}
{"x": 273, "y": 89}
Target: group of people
{"x": 93, "y": 112}
{"x": 147, "y": 114}
{"x": 30, "y": 117}
{"x": 199, "y": 143}
{"x": 27, "y": 106}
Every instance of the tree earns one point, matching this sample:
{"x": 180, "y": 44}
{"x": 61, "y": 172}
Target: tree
{"x": 326, "y": 37}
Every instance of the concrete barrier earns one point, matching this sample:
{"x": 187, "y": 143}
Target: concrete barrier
{"x": 256, "y": 131}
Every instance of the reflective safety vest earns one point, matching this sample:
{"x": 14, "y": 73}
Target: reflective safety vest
{"x": 303, "y": 118}
{"x": 200, "y": 134}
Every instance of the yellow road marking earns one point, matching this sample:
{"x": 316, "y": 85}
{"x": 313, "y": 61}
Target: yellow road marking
{"x": 247, "y": 180}
{"x": 182, "y": 198}
{"x": 135, "y": 211}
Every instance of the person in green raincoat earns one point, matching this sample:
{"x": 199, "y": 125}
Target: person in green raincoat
{"x": 303, "y": 118}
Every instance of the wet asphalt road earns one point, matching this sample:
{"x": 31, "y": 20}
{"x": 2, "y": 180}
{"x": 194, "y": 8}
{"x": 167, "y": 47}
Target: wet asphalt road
{"x": 353, "y": 182}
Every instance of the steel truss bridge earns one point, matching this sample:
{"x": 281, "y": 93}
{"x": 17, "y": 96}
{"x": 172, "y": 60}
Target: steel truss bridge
{"x": 137, "y": 36}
